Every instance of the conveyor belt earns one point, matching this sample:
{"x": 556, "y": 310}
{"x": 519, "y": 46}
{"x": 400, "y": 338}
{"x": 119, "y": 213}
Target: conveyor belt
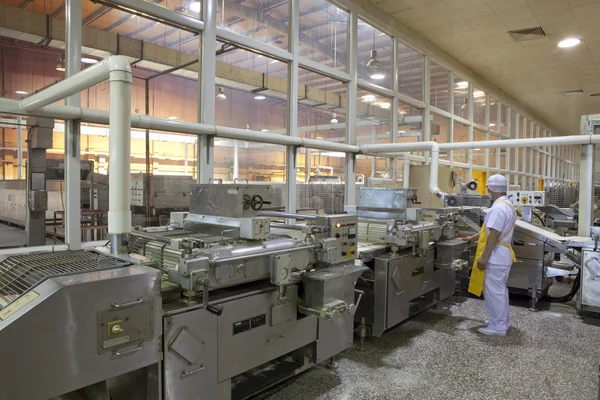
{"x": 20, "y": 273}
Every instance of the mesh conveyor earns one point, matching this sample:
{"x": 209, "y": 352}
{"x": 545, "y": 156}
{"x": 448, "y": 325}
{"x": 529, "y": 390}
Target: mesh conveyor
{"x": 156, "y": 246}
{"x": 325, "y": 196}
{"x": 562, "y": 196}
{"x": 20, "y": 273}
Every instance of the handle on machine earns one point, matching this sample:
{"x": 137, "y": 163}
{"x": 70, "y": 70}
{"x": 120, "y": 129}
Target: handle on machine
{"x": 214, "y": 310}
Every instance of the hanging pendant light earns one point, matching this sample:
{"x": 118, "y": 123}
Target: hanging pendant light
{"x": 373, "y": 64}
{"x": 221, "y": 96}
{"x": 334, "y": 119}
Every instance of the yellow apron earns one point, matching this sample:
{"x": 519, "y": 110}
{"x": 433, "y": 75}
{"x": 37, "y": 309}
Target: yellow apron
{"x": 477, "y": 279}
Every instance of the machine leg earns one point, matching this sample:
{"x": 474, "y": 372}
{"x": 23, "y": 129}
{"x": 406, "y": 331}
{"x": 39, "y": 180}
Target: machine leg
{"x": 332, "y": 364}
{"x": 534, "y": 297}
{"x": 362, "y": 333}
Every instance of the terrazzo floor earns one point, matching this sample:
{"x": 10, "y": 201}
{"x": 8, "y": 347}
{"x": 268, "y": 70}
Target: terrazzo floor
{"x": 549, "y": 354}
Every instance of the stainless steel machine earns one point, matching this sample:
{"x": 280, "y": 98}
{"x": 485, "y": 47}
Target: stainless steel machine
{"x": 234, "y": 303}
{"x": 413, "y": 257}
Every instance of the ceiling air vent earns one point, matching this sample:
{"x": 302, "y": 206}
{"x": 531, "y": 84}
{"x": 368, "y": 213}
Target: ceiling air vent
{"x": 521, "y": 35}
{"x": 571, "y": 92}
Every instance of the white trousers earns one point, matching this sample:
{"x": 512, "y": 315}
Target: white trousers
{"x": 495, "y": 295}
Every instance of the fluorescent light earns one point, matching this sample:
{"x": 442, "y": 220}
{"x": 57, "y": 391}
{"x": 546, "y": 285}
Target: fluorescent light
{"x": 476, "y": 149}
{"x": 463, "y": 84}
{"x": 21, "y": 92}
{"x": 259, "y": 97}
{"x": 492, "y": 124}
{"x": 195, "y": 6}
{"x": 274, "y": 62}
{"x": 478, "y": 93}
{"x": 87, "y": 60}
{"x": 570, "y": 42}
{"x": 172, "y": 117}
{"x": 264, "y": 130}
{"x": 385, "y": 105}
{"x": 368, "y": 97}
{"x": 377, "y": 77}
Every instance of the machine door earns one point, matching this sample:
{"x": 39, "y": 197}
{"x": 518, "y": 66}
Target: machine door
{"x": 399, "y": 276}
{"x": 190, "y": 356}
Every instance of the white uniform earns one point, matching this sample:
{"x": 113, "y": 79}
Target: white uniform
{"x": 501, "y": 217}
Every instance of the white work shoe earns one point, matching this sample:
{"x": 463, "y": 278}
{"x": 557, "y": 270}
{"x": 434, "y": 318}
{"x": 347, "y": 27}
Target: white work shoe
{"x": 487, "y": 323}
{"x": 491, "y": 332}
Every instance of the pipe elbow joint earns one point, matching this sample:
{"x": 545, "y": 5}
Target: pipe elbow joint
{"x": 116, "y": 63}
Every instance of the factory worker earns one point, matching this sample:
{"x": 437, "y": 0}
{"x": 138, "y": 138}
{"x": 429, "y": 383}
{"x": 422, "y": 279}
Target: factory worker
{"x": 494, "y": 257}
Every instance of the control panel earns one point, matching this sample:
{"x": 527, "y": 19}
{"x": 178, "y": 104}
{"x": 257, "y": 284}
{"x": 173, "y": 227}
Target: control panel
{"x": 137, "y": 189}
{"x": 341, "y": 238}
{"x": 527, "y": 198}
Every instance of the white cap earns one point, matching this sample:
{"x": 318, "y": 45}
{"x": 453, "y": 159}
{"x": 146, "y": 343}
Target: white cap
{"x": 497, "y": 183}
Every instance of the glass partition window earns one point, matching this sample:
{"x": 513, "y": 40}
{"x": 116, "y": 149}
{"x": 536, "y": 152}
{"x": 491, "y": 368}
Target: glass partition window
{"x": 254, "y": 89}
{"x": 504, "y": 118}
{"x": 322, "y": 107}
{"x": 439, "y": 86}
{"x": 410, "y": 64}
{"x": 478, "y": 155}
{"x": 410, "y": 124}
{"x": 374, "y": 116}
{"x": 440, "y": 132}
{"x": 374, "y": 55}
{"x": 494, "y": 122}
{"x": 461, "y": 134}
{"x": 323, "y": 33}
{"x": 266, "y": 22}
{"x": 479, "y": 104}
{"x": 461, "y": 97}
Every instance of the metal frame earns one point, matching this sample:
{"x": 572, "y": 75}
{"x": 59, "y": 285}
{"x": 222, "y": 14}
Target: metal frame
{"x": 555, "y": 167}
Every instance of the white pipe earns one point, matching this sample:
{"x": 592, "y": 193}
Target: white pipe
{"x": 118, "y": 71}
{"x": 91, "y": 76}
{"x": 236, "y": 160}
{"x": 406, "y": 171}
{"x": 119, "y": 214}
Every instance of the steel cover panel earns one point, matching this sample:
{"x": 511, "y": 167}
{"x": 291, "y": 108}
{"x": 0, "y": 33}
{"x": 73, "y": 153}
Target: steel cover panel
{"x": 190, "y": 357}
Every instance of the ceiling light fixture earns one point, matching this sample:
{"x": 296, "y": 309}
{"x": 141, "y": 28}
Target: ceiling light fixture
{"x": 221, "y": 96}
{"x": 570, "y": 42}
{"x": 368, "y": 98}
{"x": 195, "y": 6}
{"x": 264, "y": 130}
{"x": 259, "y": 97}
{"x": 492, "y": 124}
{"x": 478, "y": 93}
{"x": 463, "y": 84}
{"x": 172, "y": 117}
{"x": 373, "y": 64}
{"x": 60, "y": 66}
{"x": 377, "y": 77}
{"x": 21, "y": 92}
{"x": 87, "y": 60}
{"x": 334, "y": 119}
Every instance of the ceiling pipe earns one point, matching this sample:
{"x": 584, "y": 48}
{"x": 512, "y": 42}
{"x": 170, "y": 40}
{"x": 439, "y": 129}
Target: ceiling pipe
{"x": 117, "y": 70}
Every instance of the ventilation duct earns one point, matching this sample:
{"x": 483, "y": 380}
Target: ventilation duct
{"x": 521, "y": 35}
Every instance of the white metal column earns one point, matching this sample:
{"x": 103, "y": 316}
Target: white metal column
{"x": 350, "y": 166}
{"x": 72, "y": 129}
{"x": 586, "y": 180}
{"x": 206, "y": 89}
{"x": 292, "y": 127}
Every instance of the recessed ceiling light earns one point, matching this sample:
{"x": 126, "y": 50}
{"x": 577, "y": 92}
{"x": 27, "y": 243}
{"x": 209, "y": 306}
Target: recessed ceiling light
{"x": 195, "y": 6}
{"x": 259, "y": 97}
{"x": 20, "y": 92}
{"x": 172, "y": 117}
{"x": 87, "y": 60}
{"x": 570, "y": 42}
{"x": 462, "y": 84}
{"x": 377, "y": 77}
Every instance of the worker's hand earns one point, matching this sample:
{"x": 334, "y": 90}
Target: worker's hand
{"x": 482, "y": 263}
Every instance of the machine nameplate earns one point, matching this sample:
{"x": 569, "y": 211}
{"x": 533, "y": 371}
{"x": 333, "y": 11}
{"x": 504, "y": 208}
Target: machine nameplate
{"x": 418, "y": 271}
{"x": 116, "y": 341}
{"x": 18, "y": 304}
{"x": 250, "y": 323}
